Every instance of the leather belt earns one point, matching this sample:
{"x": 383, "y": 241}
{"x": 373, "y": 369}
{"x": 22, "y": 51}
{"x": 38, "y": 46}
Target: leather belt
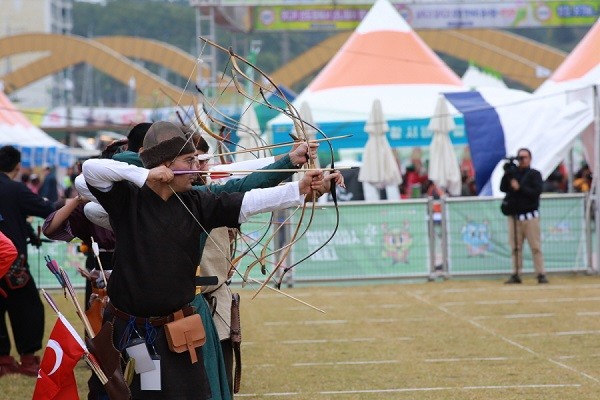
{"x": 154, "y": 321}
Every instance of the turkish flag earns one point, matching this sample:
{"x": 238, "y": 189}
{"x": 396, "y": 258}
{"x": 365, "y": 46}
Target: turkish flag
{"x": 56, "y": 378}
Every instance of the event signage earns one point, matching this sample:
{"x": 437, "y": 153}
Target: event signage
{"x": 391, "y": 239}
{"x": 38, "y": 155}
{"x": 27, "y": 160}
{"x": 478, "y": 238}
{"x": 304, "y": 18}
{"x": 65, "y": 159}
{"x": 403, "y": 133}
{"x": 51, "y": 156}
{"x": 371, "y": 241}
{"x": 448, "y": 15}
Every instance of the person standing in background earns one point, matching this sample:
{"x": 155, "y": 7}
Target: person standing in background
{"x": 49, "y": 188}
{"x": 22, "y": 301}
{"x": 523, "y": 185}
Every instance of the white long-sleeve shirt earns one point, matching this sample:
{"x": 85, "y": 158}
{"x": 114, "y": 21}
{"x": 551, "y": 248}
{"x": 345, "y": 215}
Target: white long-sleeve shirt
{"x": 102, "y": 173}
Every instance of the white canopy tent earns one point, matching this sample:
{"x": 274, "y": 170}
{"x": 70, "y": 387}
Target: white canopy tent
{"x": 476, "y": 78}
{"x": 577, "y": 80}
{"x": 520, "y": 119}
{"x": 37, "y": 148}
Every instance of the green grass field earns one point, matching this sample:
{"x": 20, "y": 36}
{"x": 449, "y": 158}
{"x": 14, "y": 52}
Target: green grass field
{"x": 456, "y": 339}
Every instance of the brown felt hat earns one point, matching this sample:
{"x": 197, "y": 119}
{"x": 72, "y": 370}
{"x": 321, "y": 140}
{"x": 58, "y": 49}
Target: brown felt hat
{"x": 163, "y": 142}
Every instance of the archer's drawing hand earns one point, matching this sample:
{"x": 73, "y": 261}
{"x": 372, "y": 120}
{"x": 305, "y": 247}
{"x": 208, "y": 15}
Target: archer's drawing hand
{"x": 160, "y": 174}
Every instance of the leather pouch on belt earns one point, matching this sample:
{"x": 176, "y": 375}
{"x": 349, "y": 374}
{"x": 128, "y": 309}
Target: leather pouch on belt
{"x": 185, "y": 334}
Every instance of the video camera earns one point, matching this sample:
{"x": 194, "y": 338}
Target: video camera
{"x": 511, "y": 165}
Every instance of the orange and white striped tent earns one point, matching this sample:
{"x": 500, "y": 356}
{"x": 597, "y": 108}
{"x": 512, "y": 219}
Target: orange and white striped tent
{"x": 37, "y": 147}
{"x": 383, "y": 59}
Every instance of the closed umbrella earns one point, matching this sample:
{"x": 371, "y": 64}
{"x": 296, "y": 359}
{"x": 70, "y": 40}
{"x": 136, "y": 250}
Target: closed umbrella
{"x": 444, "y": 170}
{"x": 248, "y": 133}
{"x": 379, "y": 164}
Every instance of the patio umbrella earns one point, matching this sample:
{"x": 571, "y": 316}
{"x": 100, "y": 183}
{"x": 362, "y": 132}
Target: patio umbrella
{"x": 379, "y": 164}
{"x": 306, "y": 115}
{"x": 248, "y": 133}
{"x": 444, "y": 170}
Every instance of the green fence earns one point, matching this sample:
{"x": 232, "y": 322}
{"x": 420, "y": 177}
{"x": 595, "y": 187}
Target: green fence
{"x": 388, "y": 240}
{"x": 67, "y": 256}
{"x": 397, "y": 240}
{"x": 478, "y": 238}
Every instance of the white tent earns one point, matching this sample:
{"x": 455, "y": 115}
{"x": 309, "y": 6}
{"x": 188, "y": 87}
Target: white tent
{"x": 37, "y": 148}
{"x": 574, "y": 80}
{"x": 500, "y": 121}
{"x": 577, "y": 80}
{"x": 476, "y": 78}
{"x": 383, "y": 59}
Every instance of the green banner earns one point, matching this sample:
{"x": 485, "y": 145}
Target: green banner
{"x": 371, "y": 241}
{"x": 478, "y": 238}
{"x": 430, "y": 15}
{"x": 567, "y": 13}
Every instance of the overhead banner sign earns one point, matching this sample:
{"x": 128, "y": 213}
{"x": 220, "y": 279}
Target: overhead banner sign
{"x": 506, "y": 14}
{"x": 304, "y": 18}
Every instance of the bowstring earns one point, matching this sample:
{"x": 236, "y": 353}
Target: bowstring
{"x": 227, "y": 258}
{"x": 299, "y": 125}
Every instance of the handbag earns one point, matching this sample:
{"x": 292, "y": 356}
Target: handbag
{"x": 508, "y": 206}
{"x": 17, "y": 276}
{"x": 185, "y": 334}
{"x": 509, "y": 203}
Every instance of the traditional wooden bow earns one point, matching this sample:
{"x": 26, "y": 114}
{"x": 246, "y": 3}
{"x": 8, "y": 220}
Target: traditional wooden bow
{"x": 234, "y": 60}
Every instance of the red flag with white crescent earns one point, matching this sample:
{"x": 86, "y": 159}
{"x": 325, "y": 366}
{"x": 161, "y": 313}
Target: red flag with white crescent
{"x": 56, "y": 377}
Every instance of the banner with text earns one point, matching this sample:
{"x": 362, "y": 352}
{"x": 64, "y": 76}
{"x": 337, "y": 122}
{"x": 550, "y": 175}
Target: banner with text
{"x": 451, "y": 15}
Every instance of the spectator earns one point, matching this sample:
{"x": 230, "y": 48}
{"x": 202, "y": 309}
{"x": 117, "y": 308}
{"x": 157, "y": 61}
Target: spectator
{"x": 557, "y": 181}
{"x": 49, "y": 188}
{"x": 583, "y": 179}
{"x": 33, "y": 183}
{"x": 22, "y": 302}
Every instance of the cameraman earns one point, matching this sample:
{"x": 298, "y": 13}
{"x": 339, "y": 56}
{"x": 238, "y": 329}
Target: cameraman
{"x": 523, "y": 186}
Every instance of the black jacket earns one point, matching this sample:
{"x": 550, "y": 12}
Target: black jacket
{"x": 528, "y": 195}
{"x": 17, "y": 202}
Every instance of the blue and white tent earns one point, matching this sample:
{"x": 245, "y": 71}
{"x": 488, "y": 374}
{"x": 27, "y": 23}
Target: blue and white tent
{"x": 38, "y": 149}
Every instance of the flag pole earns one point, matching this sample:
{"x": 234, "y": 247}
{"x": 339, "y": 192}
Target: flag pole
{"x": 73, "y": 297}
{"x": 87, "y": 356}
{"x": 596, "y": 173}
